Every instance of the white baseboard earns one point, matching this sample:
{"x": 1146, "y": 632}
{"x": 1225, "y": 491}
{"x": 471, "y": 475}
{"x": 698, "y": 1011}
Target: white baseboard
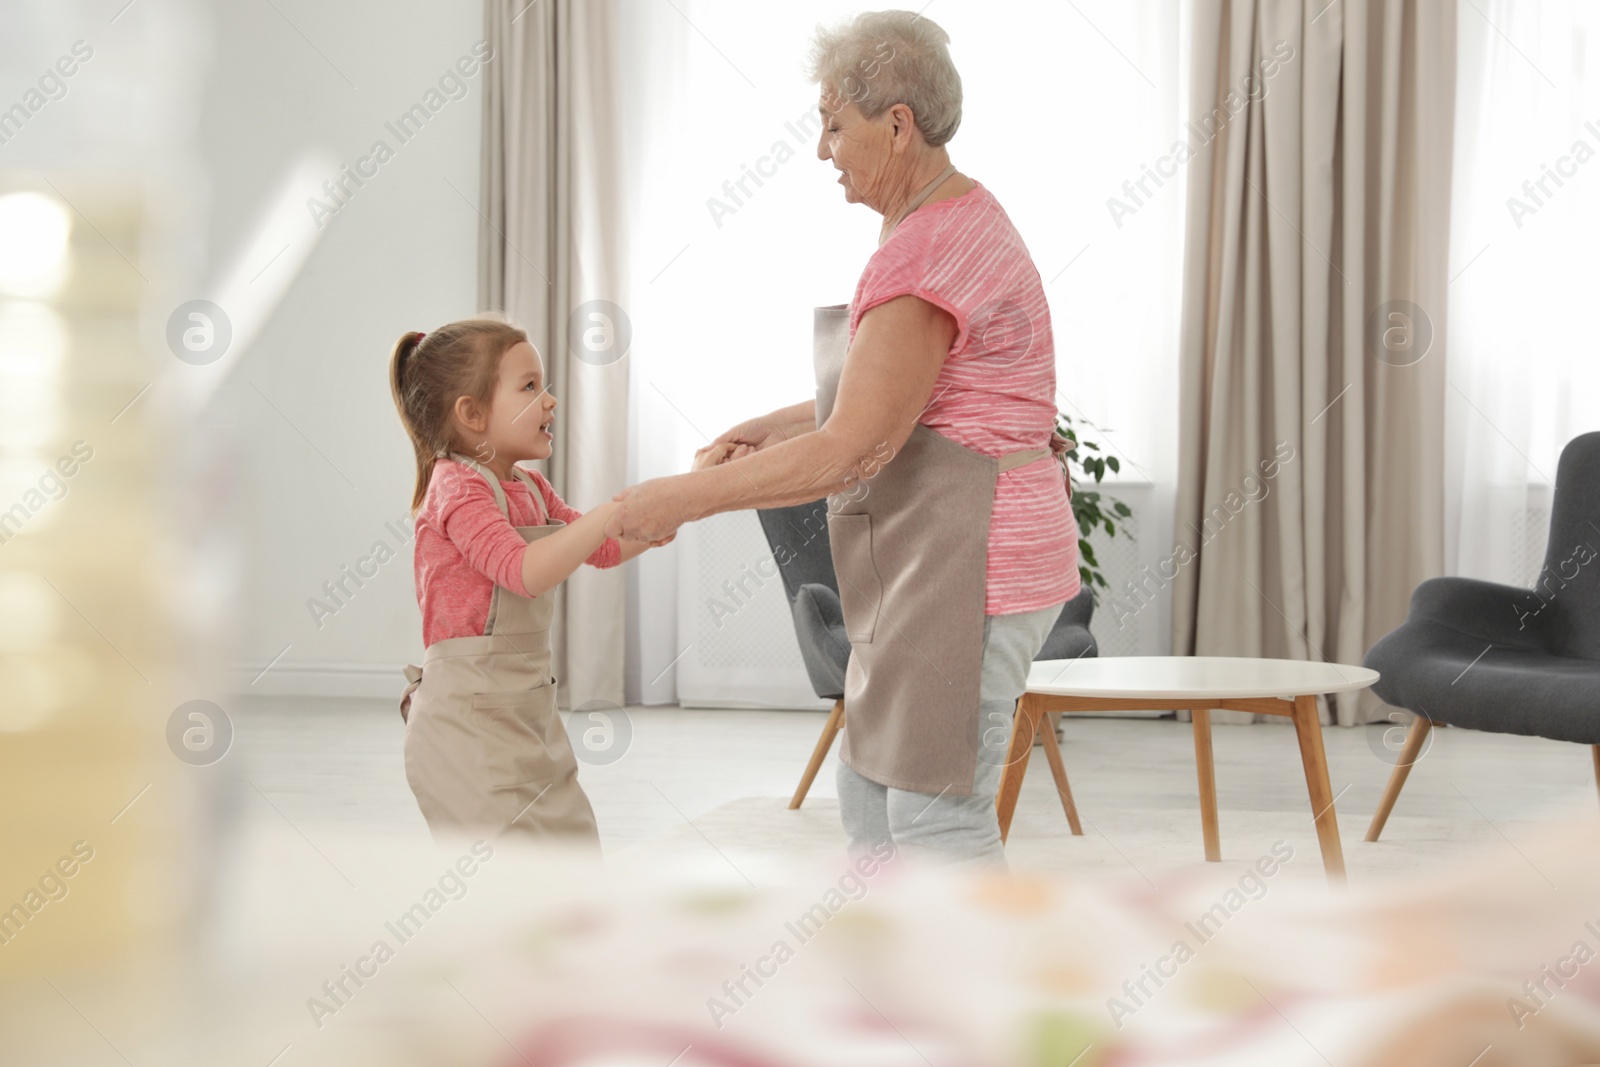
{"x": 755, "y": 705}
{"x": 286, "y": 678}
{"x": 383, "y": 681}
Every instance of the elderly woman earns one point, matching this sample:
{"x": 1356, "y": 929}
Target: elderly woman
{"x": 932, "y": 435}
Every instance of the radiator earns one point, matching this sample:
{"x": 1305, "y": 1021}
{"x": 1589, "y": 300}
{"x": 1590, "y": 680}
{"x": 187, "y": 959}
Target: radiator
{"x": 1529, "y": 516}
{"x": 734, "y": 618}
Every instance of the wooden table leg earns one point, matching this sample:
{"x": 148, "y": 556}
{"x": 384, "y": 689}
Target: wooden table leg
{"x": 1208, "y": 783}
{"x": 1024, "y": 725}
{"x": 1052, "y": 752}
{"x": 1309, "y": 730}
{"x": 1416, "y": 734}
{"x": 1596, "y": 749}
{"x": 820, "y": 753}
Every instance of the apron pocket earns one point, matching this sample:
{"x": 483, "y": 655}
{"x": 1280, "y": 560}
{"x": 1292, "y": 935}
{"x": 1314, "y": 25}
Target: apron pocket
{"x": 860, "y": 588}
{"x": 524, "y": 737}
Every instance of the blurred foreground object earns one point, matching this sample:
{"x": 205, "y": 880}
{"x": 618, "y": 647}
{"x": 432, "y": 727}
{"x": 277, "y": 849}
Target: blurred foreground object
{"x": 488, "y": 955}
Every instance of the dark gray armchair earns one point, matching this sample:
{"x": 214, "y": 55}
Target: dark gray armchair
{"x": 798, "y": 536}
{"x": 1495, "y": 657}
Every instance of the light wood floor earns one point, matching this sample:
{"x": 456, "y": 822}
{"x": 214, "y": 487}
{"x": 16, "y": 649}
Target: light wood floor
{"x": 336, "y": 764}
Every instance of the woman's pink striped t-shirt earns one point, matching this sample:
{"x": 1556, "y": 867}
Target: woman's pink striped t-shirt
{"x": 466, "y": 546}
{"x": 996, "y": 392}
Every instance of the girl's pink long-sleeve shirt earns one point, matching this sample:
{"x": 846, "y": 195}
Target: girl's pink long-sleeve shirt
{"x": 465, "y": 547}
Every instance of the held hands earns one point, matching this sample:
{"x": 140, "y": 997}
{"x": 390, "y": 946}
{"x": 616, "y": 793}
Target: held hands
{"x": 610, "y": 512}
{"x": 749, "y": 436}
{"x": 718, "y": 452}
{"x": 651, "y": 511}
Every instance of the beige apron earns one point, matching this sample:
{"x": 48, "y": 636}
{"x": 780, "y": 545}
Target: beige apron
{"x": 911, "y": 551}
{"x": 485, "y": 750}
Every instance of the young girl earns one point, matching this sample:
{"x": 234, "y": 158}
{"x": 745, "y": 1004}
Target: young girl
{"x": 485, "y": 751}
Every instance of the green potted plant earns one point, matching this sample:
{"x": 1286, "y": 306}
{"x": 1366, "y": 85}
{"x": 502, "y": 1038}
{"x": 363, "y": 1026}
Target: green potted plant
{"x": 1081, "y": 460}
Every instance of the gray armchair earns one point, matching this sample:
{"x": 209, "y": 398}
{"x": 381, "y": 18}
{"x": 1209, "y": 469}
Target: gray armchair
{"x": 1495, "y": 657}
{"x": 798, "y": 536}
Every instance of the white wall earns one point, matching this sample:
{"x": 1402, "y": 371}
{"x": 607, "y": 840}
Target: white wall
{"x": 307, "y": 410}
{"x": 721, "y": 314}
{"x": 722, "y": 304}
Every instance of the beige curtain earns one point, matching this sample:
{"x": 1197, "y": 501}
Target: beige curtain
{"x": 550, "y": 245}
{"x": 1311, "y": 398}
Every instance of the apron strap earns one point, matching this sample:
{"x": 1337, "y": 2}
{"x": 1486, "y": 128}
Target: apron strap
{"x": 413, "y": 675}
{"x": 1017, "y": 459}
{"x": 499, "y": 499}
{"x": 538, "y": 497}
{"x": 488, "y": 476}
{"x": 500, "y": 494}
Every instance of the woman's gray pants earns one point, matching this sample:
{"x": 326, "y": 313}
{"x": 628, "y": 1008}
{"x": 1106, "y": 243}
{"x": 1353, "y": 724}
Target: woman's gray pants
{"x": 960, "y": 829}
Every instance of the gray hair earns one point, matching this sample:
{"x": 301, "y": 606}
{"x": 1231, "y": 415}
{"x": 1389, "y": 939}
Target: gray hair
{"x": 882, "y": 58}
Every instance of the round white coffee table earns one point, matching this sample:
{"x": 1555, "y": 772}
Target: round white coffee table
{"x": 1184, "y": 683}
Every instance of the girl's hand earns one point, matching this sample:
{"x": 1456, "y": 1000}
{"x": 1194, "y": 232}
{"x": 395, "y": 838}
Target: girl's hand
{"x": 719, "y": 452}
{"x": 757, "y": 433}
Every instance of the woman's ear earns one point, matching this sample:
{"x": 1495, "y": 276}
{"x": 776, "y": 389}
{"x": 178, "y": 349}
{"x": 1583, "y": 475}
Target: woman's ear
{"x": 903, "y": 120}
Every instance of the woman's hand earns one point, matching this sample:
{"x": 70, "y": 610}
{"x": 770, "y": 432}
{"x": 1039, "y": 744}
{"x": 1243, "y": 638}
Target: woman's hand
{"x": 770, "y": 429}
{"x": 753, "y": 435}
{"x": 650, "y": 512}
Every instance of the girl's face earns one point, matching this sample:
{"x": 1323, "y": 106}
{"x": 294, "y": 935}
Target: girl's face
{"x": 522, "y": 409}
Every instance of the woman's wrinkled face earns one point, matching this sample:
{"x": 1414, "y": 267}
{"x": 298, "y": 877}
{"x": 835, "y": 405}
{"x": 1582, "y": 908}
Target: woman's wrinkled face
{"x": 859, "y": 148}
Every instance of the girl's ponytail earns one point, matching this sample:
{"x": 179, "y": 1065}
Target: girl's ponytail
{"x": 427, "y": 372}
{"x": 405, "y": 351}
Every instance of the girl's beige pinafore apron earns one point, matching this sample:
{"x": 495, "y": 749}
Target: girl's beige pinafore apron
{"x": 911, "y": 553}
{"x": 485, "y": 750}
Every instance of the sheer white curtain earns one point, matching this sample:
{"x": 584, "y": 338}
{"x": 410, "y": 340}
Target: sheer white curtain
{"x": 1524, "y": 359}
{"x": 739, "y": 230}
